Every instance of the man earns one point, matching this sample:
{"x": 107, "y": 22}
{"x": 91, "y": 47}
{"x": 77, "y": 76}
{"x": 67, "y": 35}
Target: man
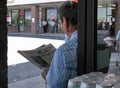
{"x": 44, "y": 23}
{"x": 64, "y": 63}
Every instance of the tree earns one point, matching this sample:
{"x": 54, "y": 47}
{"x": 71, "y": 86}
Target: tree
{"x": 3, "y": 45}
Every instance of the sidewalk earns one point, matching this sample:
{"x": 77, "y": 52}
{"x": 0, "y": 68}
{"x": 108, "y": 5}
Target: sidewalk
{"x": 35, "y": 82}
{"x": 112, "y": 67}
{"x": 59, "y": 36}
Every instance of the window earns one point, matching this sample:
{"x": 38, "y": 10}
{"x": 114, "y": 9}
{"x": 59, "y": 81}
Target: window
{"x": 15, "y": 17}
{"x": 9, "y": 19}
{"x": 51, "y": 14}
{"x": 27, "y": 17}
{"x": 106, "y": 14}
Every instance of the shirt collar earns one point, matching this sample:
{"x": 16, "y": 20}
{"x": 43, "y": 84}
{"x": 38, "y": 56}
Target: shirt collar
{"x": 74, "y": 34}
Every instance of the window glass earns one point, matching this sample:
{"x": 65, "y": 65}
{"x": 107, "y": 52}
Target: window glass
{"x": 27, "y": 17}
{"x": 15, "y": 17}
{"x": 106, "y": 16}
{"x": 51, "y": 14}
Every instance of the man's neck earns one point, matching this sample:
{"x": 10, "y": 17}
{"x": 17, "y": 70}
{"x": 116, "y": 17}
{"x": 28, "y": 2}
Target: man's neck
{"x": 70, "y": 32}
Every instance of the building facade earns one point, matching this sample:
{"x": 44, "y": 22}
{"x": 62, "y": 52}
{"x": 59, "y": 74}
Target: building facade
{"x": 26, "y": 15}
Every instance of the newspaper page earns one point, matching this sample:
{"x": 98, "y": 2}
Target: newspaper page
{"x": 41, "y": 56}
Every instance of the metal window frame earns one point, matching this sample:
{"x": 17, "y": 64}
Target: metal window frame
{"x": 87, "y": 36}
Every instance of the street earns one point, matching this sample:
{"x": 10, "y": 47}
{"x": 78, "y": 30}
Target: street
{"x": 26, "y": 43}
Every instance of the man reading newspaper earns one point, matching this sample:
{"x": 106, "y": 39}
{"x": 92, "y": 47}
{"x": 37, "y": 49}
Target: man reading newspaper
{"x": 64, "y": 63}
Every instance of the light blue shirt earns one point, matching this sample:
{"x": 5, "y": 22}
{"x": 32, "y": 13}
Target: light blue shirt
{"x": 64, "y": 64}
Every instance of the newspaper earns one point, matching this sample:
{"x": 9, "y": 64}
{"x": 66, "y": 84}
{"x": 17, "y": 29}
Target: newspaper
{"x": 41, "y": 56}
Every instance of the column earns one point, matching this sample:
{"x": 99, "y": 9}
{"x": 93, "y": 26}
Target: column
{"x": 43, "y": 13}
{"x": 35, "y": 19}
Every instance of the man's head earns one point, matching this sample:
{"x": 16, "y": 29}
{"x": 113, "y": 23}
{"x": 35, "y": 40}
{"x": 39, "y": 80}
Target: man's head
{"x": 67, "y": 14}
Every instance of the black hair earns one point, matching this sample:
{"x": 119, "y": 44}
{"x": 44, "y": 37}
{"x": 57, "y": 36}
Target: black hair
{"x": 68, "y": 10}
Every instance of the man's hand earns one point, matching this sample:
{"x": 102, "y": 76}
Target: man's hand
{"x": 44, "y": 72}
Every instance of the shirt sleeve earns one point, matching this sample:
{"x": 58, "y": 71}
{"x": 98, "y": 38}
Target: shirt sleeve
{"x": 57, "y": 76}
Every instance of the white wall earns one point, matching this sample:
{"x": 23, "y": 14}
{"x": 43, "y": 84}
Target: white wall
{"x": 21, "y": 2}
